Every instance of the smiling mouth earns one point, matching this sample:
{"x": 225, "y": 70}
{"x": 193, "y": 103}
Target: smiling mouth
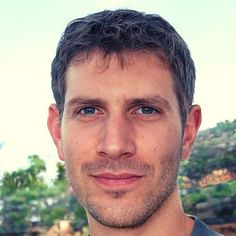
{"x": 116, "y": 181}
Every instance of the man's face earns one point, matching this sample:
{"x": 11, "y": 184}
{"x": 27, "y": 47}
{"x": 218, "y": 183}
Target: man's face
{"x": 121, "y": 137}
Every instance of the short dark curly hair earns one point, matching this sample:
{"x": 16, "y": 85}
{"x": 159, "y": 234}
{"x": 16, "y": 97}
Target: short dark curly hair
{"x": 116, "y": 32}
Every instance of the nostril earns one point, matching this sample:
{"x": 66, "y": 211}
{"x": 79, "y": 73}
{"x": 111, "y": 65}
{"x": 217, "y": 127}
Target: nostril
{"x": 103, "y": 154}
{"x": 126, "y": 155}
{"x": 122, "y": 155}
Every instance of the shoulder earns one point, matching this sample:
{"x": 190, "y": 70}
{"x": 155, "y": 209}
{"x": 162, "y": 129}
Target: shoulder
{"x": 201, "y": 229}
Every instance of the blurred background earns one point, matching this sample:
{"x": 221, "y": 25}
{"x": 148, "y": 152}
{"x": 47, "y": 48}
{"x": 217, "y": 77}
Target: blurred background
{"x": 34, "y": 195}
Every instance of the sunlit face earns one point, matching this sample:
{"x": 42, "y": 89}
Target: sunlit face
{"x": 121, "y": 137}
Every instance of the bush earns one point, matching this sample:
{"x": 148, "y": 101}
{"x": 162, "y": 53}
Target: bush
{"x": 50, "y": 215}
{"x": 190, "y": 200}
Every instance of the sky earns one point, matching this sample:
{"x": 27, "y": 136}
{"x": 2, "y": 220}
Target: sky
{"x": 30, "y": 31}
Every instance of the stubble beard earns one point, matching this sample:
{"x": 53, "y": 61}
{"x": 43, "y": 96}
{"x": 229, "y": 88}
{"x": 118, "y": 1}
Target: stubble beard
{"x": 137, "y": 212}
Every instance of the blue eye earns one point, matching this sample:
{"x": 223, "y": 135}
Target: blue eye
{"x": 88, "y": 110}
{"x": 146, "y": 110}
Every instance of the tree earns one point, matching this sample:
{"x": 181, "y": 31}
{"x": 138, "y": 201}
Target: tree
{"x": 18, "y": 189}
{"x": 61, "y": 173}
{"x": 23, "y": 178}
{"x": 214, "y": 149}
{"x": 24, "y": 193}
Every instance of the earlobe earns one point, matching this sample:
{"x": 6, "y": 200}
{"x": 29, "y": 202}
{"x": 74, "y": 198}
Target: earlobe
{"x": 54, "y": 127}
{"x": 190, "y": 131}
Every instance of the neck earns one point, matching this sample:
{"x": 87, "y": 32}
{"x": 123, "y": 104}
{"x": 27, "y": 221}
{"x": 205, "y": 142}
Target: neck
{"x": 168, "y": 219}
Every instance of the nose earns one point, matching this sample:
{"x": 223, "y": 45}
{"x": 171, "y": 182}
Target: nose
{"x": 116, "y": 138}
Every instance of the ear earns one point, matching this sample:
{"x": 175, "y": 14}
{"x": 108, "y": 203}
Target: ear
{"x": 54, "y": 127}
{"x": 192, "y": 125}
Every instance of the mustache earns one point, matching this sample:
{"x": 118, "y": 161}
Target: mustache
{"x": 121, "y": 165}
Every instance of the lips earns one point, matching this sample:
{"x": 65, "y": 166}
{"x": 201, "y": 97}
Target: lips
{"x": 121, "y": 180}
{"x": 116, "y": 176}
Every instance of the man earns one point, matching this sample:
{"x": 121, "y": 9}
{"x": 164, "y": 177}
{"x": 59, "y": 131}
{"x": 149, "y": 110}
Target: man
{"x": 123, "y": 82}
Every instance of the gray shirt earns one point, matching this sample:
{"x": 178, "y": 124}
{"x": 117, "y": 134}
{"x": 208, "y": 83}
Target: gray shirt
{"x": 201, "y": 229}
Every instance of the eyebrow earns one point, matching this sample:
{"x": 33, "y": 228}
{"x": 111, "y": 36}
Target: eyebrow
{"x": 85, "y": 100}
{"x": 131, "y": 101}
{"x": 151, "y": 100}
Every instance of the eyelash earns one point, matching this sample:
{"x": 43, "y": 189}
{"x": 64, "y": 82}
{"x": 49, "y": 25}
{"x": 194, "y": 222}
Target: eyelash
{"x": 80, "y": 110}
{"x": 150, "y": 110}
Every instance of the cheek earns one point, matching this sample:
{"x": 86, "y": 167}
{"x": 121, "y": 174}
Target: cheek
{"x": 78, "y": 148}
{"x": 159, "y": 140}
{"x": 76, "y": 141}
{"x": 160, "y": 148}
{"x": 74, "y": 154}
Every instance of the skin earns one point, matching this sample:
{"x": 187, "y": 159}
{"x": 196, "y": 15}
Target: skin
{"x": 122, "y": 140}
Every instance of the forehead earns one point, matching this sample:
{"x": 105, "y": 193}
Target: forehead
{"x": 130, "y": 73}
{"x": 101, "y": 61}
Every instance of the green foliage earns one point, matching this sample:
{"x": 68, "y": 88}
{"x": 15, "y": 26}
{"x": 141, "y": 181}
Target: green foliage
{"x": 213, "y": 149}
{"x": 50, "y": 215}
{"x": 24, "y": 193}
{"x": 224, "y": 126}
{"x": 17, "y": 216}
{"x": 37, "y": 166}
{"x": 61, "y": 172}
{"x": 78, "y": 216}
{"x": 217, "y": 192}
{"x": 23, "y": 178}
{"x": 190, "y": 200}
{"x": 222, "y": 190}
{"x": 18, "y": 189}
